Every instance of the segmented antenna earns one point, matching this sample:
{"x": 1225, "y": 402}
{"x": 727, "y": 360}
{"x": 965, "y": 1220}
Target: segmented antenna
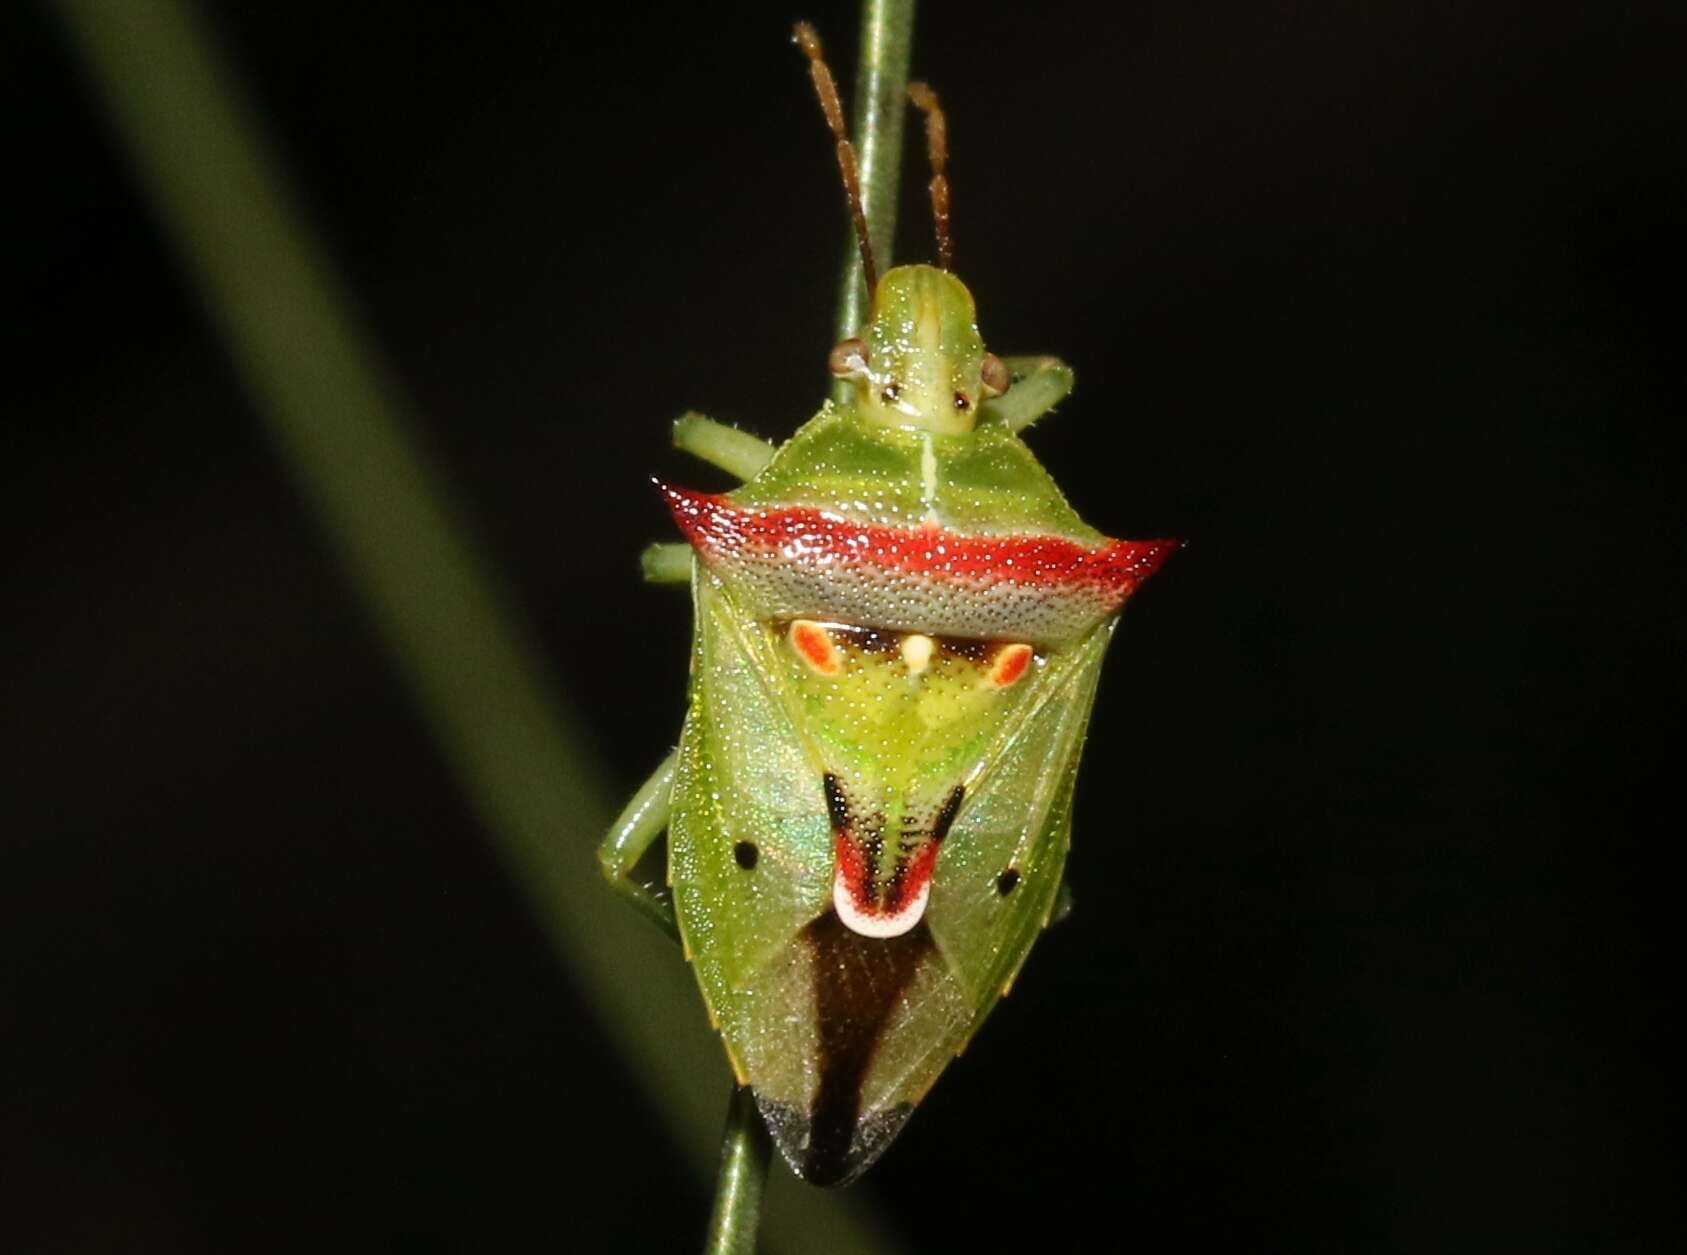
{"x": 827, "y": 90}
{"x": 937, "y": 147}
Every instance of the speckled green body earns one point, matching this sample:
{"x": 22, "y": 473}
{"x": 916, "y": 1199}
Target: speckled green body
{"x": 985, "y": 481}
{"x": 891, "y": 677}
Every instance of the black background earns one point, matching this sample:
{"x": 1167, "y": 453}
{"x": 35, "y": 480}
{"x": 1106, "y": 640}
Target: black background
{"x": 1376, "y": 304}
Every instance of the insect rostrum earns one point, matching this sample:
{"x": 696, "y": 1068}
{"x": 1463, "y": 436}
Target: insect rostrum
{"x": 899, "y": 625}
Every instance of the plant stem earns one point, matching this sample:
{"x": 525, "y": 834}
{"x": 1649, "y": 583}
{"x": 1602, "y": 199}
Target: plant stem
{"x": 312, "y": 372}
{"x": 881, "y": 106}
{"x": 744, "y": 1153}
{"x": 881, "y": 89}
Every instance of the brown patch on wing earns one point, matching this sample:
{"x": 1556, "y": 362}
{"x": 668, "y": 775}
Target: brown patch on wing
{"x": 858, "y": 982}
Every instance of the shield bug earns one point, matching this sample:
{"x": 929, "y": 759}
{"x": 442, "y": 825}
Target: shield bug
{"x": 899, "y": 625}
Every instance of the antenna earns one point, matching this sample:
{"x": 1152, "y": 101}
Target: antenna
{"x": 937, "y": 148}
{"x": 827, "y": 90}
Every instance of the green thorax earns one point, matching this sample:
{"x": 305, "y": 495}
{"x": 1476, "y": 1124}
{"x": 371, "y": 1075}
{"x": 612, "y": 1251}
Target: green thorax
{"x": 917, "y": 458}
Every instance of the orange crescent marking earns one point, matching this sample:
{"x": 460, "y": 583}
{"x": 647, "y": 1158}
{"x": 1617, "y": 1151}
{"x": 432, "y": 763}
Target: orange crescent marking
{"x": 1010, "y": 664}
{"x": 815, "y": 645}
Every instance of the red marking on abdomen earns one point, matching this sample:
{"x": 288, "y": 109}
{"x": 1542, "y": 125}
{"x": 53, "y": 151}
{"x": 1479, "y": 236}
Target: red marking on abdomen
{"x": 857, "y": 876}
{"x": 852, "y": 867}
{"x": 914, "y": 879}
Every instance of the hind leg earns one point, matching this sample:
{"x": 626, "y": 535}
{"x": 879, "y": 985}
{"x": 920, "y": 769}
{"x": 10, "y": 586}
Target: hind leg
{"x": 643, "y": 819}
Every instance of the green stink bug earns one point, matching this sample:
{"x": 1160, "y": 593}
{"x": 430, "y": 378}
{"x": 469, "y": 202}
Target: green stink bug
{"x": 899, "y": 626}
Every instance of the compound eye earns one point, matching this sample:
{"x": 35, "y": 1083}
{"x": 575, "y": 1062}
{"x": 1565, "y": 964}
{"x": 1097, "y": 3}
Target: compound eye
{"x": 848, "y": 359}
{"x": 996, "y": 376}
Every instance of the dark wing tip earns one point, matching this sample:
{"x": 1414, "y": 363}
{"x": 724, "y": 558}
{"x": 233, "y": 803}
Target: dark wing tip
{"x": 831, "y": 1156}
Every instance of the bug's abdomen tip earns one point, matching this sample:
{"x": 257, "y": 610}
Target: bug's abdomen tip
{"x": 830, "y": 1157}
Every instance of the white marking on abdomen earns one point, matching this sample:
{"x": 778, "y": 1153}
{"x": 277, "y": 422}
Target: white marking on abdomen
{"x": 859, "y": 921}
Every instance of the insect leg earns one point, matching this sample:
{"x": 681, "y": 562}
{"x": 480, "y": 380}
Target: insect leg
{"x": 634, "y": 831}
{"x": 736, "y": 452}
{"x": 1039, "y": 384}
{"x": 666, "y": 562}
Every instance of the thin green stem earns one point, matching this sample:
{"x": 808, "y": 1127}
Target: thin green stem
{"x": 881, "y": 87}
{"x": 745, "y": 1151}
{"x": 881, "y": 107}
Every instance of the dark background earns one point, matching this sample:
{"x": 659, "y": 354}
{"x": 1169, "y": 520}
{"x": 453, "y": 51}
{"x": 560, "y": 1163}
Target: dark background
{"x": 1376, "y": 304}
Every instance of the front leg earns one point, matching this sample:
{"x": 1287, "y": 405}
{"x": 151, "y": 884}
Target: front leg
{"x": 666, "y": 562}
{"x": 643, "y": 819}
{"x": 1039, "y": 384}
{"x": 735, "y": 452}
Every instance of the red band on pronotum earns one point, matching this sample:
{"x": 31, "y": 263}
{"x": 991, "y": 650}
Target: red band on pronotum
{"x": 779, "y": 546}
